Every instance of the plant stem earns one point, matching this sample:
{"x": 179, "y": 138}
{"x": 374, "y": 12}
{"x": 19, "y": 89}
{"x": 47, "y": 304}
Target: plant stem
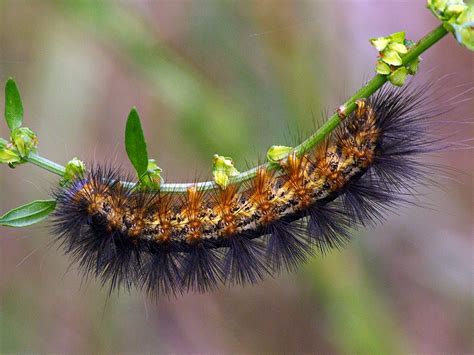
{"x": 46, "y": 164}
{"x": 349, "y": 106}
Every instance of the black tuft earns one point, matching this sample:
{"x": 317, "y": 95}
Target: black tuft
{"x": 159, "y": 274}
{"x": 244, "y": 261}
{"x": 287, "y": 245}
{"x": 200, "y": 269}
{"x": 328, "y": 226}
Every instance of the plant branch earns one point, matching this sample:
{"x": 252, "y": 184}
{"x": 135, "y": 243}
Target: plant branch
{"x": 349, "y": 106}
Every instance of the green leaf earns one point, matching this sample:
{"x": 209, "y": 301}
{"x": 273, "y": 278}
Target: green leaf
{"x": 135, "y": 144}
{"x": 28, "y": 214}
{"x": 13, "y": 105}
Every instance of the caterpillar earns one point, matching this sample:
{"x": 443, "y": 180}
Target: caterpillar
{"x": 169, "y": 243}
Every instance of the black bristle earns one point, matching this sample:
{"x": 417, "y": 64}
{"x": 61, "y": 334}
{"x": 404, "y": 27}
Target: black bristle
{"x": 366, "y": 201}
{"x": 404, "y": 117}
{"x": 244, "y": 261}
{"x": 287, "y": 245}
{"x": 328, "y": 226}
{"x": 200, "y": 269}
{"x": 159, "y": 273}
{"x": 120, "y": 263}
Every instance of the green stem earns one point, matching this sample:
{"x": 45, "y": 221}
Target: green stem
{"x": 349, "y": 106}
{"x": 46, "y": 164}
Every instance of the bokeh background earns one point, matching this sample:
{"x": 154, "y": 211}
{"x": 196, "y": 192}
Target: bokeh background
{"x": 229, "y": 77}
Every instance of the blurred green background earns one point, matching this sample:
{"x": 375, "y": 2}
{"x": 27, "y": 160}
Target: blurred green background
{"x": 228, "y": 77}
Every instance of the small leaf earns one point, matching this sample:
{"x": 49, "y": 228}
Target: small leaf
{"x": 13, "y": 105}
{"x": 135, "y": 144}
{"x": 28, "y": 214}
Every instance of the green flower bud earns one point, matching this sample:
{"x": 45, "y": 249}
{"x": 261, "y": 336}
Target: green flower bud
{"x": 437, "y": 7}
{"x": 382, "y": 68}
{"x": 74, "y": 168}
{"x": 221, "y": 178}
{"x": 464, "y": 28}
{"x": 413, "y": 66}
{"x": 152, "y": 178}
{"x": 465, "y": 35}
{"x": 394, "y": 47}
{"x": 380, "y": 43}
{"x": 391, "y": 57}
{"x": 25, "y": 141}
{"x": 397, "y": 37}
{"x": 9, "y": 155}
{"x": 398, "y": 47}
{"x": 399, "y": 76}
{"x": 278, "y": 152}
{"x": 454, "y": 9}
{"x": 222, "y": 169}
{"x": 457, "y": 17}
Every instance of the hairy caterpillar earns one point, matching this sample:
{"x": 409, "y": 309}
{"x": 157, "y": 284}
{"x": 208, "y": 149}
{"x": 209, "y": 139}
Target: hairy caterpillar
{"x": 169, "y": 243}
